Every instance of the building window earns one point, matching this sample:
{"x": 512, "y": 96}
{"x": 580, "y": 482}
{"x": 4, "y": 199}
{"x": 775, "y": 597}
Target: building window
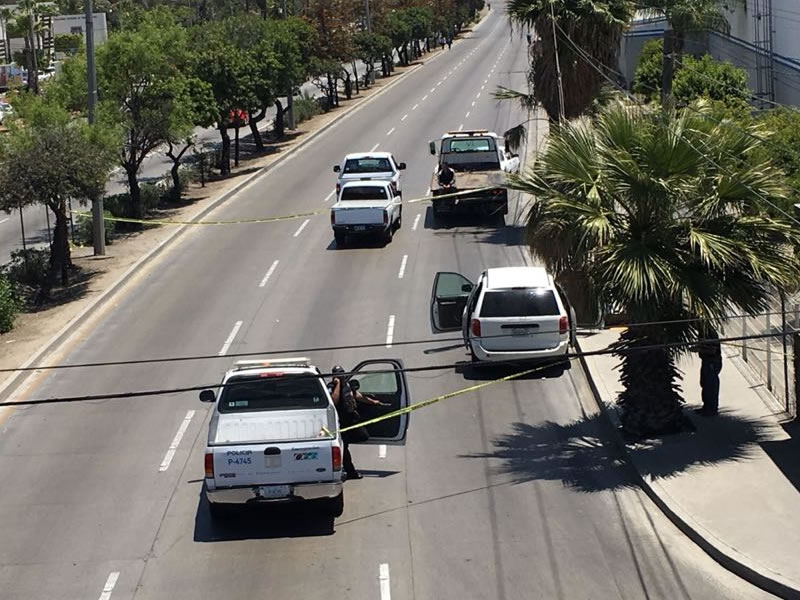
{"x": 75, "y": 30}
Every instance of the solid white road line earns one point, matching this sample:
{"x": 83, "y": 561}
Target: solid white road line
{"x": 382, "y": 451}
{"x": 230, "y": 339}
{"x": 460, "y": 127}
{"x": 112, "y": 581}
{"x": 329, "y": 196}
{"x": 300, "y": 229}
{"x": 424, "y": 97}
{"x": 414, "y": 107}
{"x": 416, "y": 222}
{"x": 383, "y": 580}
{"x": 4, "y": 220}
{"x": 390, "y": 332}
{"x": 402, "y": 266}
{"x": 405, "y": 116}
{"x": 390, "y": 132}
{"x": 466, "y": 116}
{"x": 173, "y": 447}
{"x": 269, "y": 274}
{"x": 375, "y": 147}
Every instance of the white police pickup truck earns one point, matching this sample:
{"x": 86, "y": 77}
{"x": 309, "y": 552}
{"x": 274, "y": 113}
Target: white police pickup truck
{"x": 274, "y": 433}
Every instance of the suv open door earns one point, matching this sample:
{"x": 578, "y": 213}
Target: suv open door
{"x": 448, "y": 299}
{"x": 384, "y": 380}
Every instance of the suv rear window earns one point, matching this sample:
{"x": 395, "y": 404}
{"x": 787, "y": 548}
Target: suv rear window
{"x": 364, "y": 192}
{"x": 270, "y": 393}
{"x": 367, "y": 165}
{"x": 531, "y": 302}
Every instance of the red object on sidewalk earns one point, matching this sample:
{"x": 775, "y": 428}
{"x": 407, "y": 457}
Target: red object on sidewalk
{"x": 237, "y": 117}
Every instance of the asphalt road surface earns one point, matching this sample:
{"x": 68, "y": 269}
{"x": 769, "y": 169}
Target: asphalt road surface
{"x": 505, "y": 493}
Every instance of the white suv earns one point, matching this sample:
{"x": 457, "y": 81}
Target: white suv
{"x": 511, "y": 314}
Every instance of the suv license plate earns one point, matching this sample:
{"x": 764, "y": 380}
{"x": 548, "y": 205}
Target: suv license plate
{"x": 360, "y": 228}
{"x": 273, "y": 491}
{"x": 519, "y": 331}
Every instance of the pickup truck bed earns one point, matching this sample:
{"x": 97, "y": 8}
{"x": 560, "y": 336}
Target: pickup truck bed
{"x": 486, "y": 202}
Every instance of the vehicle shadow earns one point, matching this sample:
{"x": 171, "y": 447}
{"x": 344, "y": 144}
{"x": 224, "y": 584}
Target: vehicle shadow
{"x": 578, "y": 454}
{"x": 359, "y": 243}
{"x": 261, "y": 523}
{"x": 487, "y": 371}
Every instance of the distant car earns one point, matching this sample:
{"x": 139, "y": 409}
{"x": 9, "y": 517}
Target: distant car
{"x": 511, "y": 314}
{"x": 5, "y": 111}
{"x": 379, "y": 166}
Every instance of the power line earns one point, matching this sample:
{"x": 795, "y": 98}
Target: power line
{"x": 427, "y": 368}
{"x": 316, "y": 349}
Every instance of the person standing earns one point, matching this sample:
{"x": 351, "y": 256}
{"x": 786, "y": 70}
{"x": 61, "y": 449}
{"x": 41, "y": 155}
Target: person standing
{"x": 710, "y": 353}
{"x": 345, "y": 399}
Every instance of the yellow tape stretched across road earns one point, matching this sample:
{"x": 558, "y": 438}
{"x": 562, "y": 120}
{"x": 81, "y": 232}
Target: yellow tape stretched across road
{"x": 88, "y": 215}
{"x": 424, "y": 403}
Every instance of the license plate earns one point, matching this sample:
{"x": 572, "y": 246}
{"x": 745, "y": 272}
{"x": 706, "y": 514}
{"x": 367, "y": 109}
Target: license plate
{"x": 360, "y": 228}
{"x": 273, "y": 491}
{"x": 519, "y": 331}
{"x": 272, "y": 461}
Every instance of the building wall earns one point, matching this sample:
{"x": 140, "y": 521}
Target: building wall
{"x": 77, "y": 24}
{"x": 737, "y": 48}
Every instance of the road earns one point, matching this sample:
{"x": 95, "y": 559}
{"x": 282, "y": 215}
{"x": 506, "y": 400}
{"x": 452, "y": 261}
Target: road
{"x": 504, "y": 493}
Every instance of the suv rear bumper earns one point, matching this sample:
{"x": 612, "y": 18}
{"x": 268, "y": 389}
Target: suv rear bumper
{"x": 298, "y": 492}
{"x": 360, "y": 229}
{"x": 501, "y": 355}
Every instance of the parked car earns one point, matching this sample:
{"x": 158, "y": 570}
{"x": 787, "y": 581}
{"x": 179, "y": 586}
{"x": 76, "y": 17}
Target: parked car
{"x": 511, "y": 314}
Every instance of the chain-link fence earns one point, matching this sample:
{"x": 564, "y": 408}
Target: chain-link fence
{"x": 771, "y": 358}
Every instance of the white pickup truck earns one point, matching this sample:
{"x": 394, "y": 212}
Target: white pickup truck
{"x": 380, "y": 166}
{"x": 274, "y": 432}
{"x": 366, "y": 208}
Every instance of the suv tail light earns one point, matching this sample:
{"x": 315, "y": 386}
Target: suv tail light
{"x": 209, "y": 465}
{"x": 336, "y": 458}
{"x": 476, "y": 327}
{"x": 563, "y": 325}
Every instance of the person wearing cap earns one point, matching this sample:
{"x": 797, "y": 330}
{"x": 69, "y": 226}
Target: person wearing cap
{"x": 346, "y": 400}
{"x": 447, "y": 177}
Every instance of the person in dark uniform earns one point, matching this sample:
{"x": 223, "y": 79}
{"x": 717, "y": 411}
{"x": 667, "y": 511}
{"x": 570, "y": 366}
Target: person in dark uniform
{"x": 346, "y": 400}
{"x": 710, "y": 353}
{"x": 447, "y": 177}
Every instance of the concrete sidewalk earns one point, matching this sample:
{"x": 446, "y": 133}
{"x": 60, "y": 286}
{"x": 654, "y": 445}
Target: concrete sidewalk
{"x": 733, "y": 485}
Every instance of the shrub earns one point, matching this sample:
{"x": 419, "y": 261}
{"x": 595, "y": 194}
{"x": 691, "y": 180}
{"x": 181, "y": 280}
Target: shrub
{"x": 9, "y": 304}
{"x": 28, "y": 267}
{"x": 305, "y": 107}
{"x": 84, "y": 230}
{"x": 647, "y": 77}
{"x": 782, "y": 127}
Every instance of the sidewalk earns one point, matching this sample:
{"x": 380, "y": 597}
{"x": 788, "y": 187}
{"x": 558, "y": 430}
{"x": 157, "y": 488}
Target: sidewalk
{"x": 733, "y": 485}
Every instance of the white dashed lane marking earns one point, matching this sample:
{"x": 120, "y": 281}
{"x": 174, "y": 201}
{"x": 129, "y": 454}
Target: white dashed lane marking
{"x": 416, "y": 222}
{"x": 414, "y": 107}
{"x": 329, "y": 196}
{"x": 390, "y": 132}
{"x": 112, "y": 581}
{"x": 230, "y": 339}
{"x": 176, "y": 441}
{"x": 385, "y": 583}
{"x": 390, "y": 332}
{"x": 405, "y": 116}
{"x": 402, "y": 270}
{"x": 269, "y": 274}
{"x": 300, "y": 229}
{"x": 375, "y": 147}
{"x": 466, "y": 116}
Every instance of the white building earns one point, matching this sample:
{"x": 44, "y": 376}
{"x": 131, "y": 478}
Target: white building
{"x": 764, "y": 39}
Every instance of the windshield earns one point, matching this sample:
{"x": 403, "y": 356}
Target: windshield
{"x": 532, "y": 302}
{"x": 364, "y": 192}
{"x": 469, "y": 144}
{"x": 367, "y": 165}
{"x": 270, "y": 393}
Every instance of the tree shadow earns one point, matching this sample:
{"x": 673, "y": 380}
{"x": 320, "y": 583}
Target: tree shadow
{"x": 79, "y": 280}
{"x": 784, "y": 453}
{"x": 261, "y": 523}
{"x": 577, "y": 455}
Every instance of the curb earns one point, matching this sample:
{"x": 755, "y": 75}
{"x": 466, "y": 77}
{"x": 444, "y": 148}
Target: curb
{"x": 730, "y": 558}
{"x": 70, "y": 328}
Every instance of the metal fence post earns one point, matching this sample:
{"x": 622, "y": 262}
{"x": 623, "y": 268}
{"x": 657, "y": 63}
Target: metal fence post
{"x": 796, "y": 356}
{"x": 769, "y": 353}
{"x": 744, "y": 341}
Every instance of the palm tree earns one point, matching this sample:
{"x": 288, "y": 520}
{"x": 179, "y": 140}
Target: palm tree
{"x": 595, "y": 26}
{"x": 670, "y": 216}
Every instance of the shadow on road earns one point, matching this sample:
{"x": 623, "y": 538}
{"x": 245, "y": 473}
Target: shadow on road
{"x": 487, "y": 372}
{"x": 577, "y": 455}
{"x": 260, "y": 523}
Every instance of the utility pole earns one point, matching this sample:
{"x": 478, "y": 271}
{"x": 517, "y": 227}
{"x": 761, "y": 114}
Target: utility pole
{"x": 290, "y": 92}
{"x": 667, "y": 65}
{"x": 98, "y": 224}
{"x": 369, "y": 20}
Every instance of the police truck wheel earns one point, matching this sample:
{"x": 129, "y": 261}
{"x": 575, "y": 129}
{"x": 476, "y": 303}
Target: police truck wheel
{"x": 335, "y": 506}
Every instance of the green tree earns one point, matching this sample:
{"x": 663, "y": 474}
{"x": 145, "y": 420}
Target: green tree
{"x": 142, "y": 85}
{"x": 595, "y": 27}
{"x": 80, "y": 162}
{"x": 656, "y": 212}
{"x": 68, "y": 43}
{"x": 781, "y": 127}
{"x": 334, "y": 21}
{"x": 370, "y": 49}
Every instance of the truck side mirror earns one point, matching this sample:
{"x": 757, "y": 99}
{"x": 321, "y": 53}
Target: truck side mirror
{"x": 466, "y": 287}
{"x": 432, "y": 147}
{"x": 336, "y": 168}
{"x": 402, "y": 166}
{"x": 208, "y": 396}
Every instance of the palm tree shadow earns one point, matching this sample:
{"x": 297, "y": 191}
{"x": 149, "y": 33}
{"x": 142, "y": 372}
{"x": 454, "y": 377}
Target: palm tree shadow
{"x": 578, "y": 454}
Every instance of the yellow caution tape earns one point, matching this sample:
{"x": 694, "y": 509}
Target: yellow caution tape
{"x": 424, "y": 403}
{"x": 88, "y": 215}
